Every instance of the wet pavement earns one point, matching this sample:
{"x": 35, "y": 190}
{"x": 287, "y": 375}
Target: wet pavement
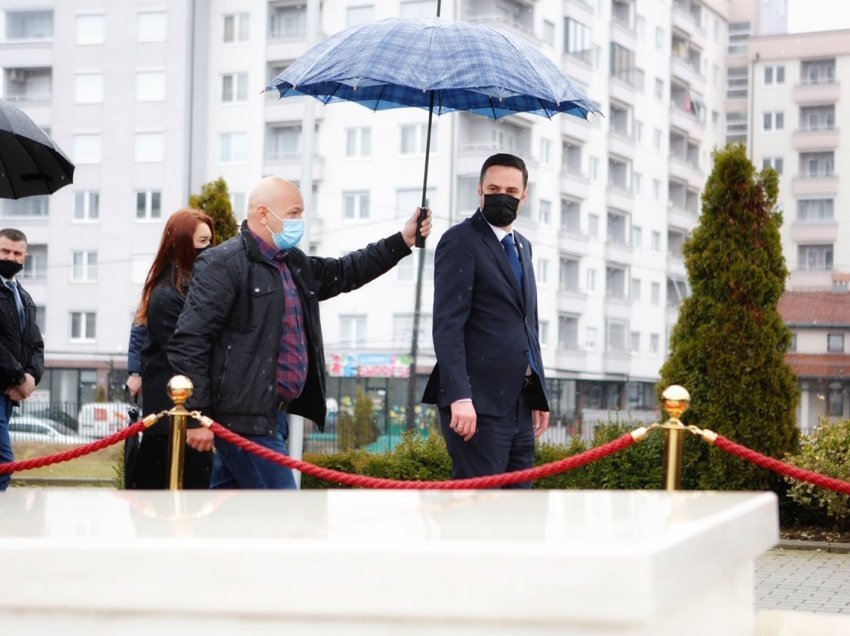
{"x": 808, "y": 580}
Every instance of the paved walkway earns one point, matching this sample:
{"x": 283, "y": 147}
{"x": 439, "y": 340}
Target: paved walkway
{"x": 803, "y": 580}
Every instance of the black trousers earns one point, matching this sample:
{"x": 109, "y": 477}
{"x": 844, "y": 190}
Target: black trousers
{"x": 153, "y": 465}
{"x": 500, "y": 444}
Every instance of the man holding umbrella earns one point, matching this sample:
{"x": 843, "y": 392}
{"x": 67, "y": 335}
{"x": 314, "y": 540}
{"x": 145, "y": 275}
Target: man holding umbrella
{"x": 488, "y": 382}
{"x": 21, "y": 346}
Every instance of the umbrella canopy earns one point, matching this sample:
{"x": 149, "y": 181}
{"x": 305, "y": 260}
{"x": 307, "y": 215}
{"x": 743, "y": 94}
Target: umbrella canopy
{"x": 30, "y": 162}
{"x": 406, "y": 61}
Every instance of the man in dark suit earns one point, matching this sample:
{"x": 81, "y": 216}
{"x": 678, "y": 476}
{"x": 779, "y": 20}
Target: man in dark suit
{"x": 21, "y": 346}
{"x": 488, "y": 382}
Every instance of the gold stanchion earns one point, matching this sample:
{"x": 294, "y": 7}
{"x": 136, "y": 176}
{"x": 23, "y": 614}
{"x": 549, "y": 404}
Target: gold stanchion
{"x": 179, "y": 390}
{"x": 675, "y": 402}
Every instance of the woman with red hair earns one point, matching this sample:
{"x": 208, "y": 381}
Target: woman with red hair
{"x": 187, "y": 233}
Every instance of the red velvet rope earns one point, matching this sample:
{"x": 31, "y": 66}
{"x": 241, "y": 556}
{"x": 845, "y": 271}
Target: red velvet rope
{"x": 490, "y": 481}
{"x": 775, "y": 465}
{"x": 79, "y": 451}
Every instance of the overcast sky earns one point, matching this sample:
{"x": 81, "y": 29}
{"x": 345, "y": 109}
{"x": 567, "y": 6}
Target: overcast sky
{"x": 818, "y": 15}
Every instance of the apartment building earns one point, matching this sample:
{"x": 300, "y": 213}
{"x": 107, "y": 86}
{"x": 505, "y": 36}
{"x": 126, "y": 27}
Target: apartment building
{"x": 153, "y": 99}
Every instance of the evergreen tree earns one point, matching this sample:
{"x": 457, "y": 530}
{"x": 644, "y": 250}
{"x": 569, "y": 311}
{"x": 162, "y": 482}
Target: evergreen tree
{"x": 357, "y": 430}
{"x": 728, "y": 346}
{"x": 215, "y": 201}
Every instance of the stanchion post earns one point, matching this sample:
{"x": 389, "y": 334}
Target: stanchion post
{"x": 179, "y": 390}
{"x": 676, "y": 400}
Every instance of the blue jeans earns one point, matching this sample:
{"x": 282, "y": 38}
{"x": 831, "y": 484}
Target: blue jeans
{"x": 234, "y": 467}
{"x": 6, "y": 454}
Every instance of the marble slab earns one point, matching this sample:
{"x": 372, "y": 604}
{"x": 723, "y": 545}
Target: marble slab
{"x": 382, "y": 562}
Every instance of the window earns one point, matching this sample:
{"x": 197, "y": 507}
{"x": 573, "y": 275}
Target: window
{"x": 150, "y": 86}
{"x": 659, "y": 38}
{"x": 407, "y": 269}
{"x": 84, "y": 267}
{"x": 653, "y": 344}
{"x": 568, "y": 273}
{"x": 817, "y": 164}
{"x": 568, "y": 332}
{"x": 656, "y": 189}
{"x": 621, "y": 12}
{"x": 545, "y": 151}
{"x": 543, "y": 333}
{"x": 148, "y": 205}
{"x": 287, "y": 21}
{"x": 593, "y": 225}
{"x": 815, "y": 209}
{"x": 87, "y": 148}
{"x": 615, "y": 336}
{"x": 88, "y": 88}
{"x": 236, "y": 28}
{"x": 677, "y": 291}
{"x": 623, "y": 66}
{"x": 655, "y": 294}
{"x": 234, "y": 87}
{"x": 26, "y": 207}
{"x": 774, "y": 75}
{"x": 542, "y": 272}
{"x": 659, "y": 88}
{"x": 86, "y": 206}
{"x": 835, "y": 405}
{"x": 675, "y": 243}
{"x": 360, "y": 15}
{"x": 739, "y": 35}
{"x": 593, "y": 169}
{"x": 414, "y": 138}
{"x": 570, "y": 216}
{"x": 35, "y": 267}
{"x": 736, "y": 126}
{"x": 657, "y": 138}
{"x": 403, "y": 329}
{"x": 577, "y": 41}
{"x": 149, "y": 147}
{"x": 635, "y": 342}
{"x": 33, "y": 84}
{"x": 591, "y": 281}
{"x": 619, "y": 173}
{"x": 355, "y": 205}
{"x": 656, "y": 241}
{"x": 835, "y": 343}
{"x": 773, "y": 121}
{"x": 636, "y": 289}
{"x": 817, "y": 117}
{"x": 815, "y": 258}
{"x": 151, "y": 26}
{"x": 83, "y": 326}
{"x": 737, "y": 82}
{"x": 637, "y": 237}
{"x": 408, "y": 199}
{"x": 544, "y": 212}
{"x": 358, "y": 142}
{"x": 773, "y": 162}
{"x": 817, "y": 71}
{"x": 352, "y": 330}
{"x": 571, "y": 156}
{"x": 29, "y": 25}
{"x": 549, "y": 32}
{"x": 620, "y": 119}
{"x": 617, "y": 228}
{"x": 590, "y": 339}
{"x": 237, "y": 204}
{"x": 232, "y": 147}
{"x": 283, "y": 142}
{"x": 418, "y": 8}
{"x": 90, "y": 29}
{"x": 615, "y": 282}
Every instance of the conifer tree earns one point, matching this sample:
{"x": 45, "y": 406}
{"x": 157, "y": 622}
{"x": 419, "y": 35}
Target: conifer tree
{"x": 728, "y": 346}
{"x": 215, "y": 201}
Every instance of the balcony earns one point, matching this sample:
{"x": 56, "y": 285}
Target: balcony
{"x": 33, "y": 85}
{"x": 827, "y": 92}
{"x": 817, "y": 183}
{"x": 815, "y": 139}
{"x": 813, "y": 232}
{"x": 686, "y": 71}
{"x": 289, "y": 167}
{"x": 574, "y": 183}
{"x": 291, "y": 109}
{"x": 619, "y": 195}
{"x": 684, "y": 170}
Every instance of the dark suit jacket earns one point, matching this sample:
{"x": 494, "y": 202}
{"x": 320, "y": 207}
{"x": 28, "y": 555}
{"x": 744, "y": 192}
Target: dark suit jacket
{"x": 483, "y": 322}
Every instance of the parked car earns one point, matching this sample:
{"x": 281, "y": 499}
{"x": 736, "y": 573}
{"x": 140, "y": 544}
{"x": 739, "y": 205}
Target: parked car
{"x": 99, "y": 419}
{"x": 28, "y": 428}
{"x": 52, "y": 412}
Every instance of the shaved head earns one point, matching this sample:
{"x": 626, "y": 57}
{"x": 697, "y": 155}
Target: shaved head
{"x": 272, "y": 200}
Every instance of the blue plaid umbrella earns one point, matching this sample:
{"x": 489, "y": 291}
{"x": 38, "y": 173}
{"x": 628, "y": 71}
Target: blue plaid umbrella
{"x": 436, "y": 64}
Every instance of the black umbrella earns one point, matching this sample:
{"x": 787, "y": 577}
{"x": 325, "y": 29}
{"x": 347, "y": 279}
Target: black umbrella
{"x": 30, "y": 162}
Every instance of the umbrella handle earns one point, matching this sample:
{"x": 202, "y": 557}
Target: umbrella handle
{"x": 423, "y": 214}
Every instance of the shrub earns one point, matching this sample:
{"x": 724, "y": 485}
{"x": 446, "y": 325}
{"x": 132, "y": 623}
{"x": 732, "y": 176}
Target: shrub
{"x": 358, "y": 430}
{"x": 827, "y": 452}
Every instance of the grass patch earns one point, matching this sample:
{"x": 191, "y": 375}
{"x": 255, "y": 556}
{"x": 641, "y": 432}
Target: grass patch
{"x": 100, "y": 465}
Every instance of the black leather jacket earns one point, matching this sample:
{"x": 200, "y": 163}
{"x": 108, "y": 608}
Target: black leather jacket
{"x": 20, "y": 353}
{"x": 228, "y": 336}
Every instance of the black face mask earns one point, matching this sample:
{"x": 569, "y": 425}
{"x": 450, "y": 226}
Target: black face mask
{"x": 201, "y": 250}
{"x": 10, "y": 268}
{"x": 500, "y": 209}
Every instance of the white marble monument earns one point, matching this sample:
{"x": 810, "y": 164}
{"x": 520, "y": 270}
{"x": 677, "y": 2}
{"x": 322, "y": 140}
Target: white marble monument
{"x": 381, "y": 563}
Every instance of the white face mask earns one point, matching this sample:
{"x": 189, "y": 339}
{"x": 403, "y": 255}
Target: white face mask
{"x": 290, "y": 235}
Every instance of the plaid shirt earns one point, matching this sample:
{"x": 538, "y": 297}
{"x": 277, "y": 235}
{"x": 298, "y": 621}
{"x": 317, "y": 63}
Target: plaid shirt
{"x": 292, "y": 359}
